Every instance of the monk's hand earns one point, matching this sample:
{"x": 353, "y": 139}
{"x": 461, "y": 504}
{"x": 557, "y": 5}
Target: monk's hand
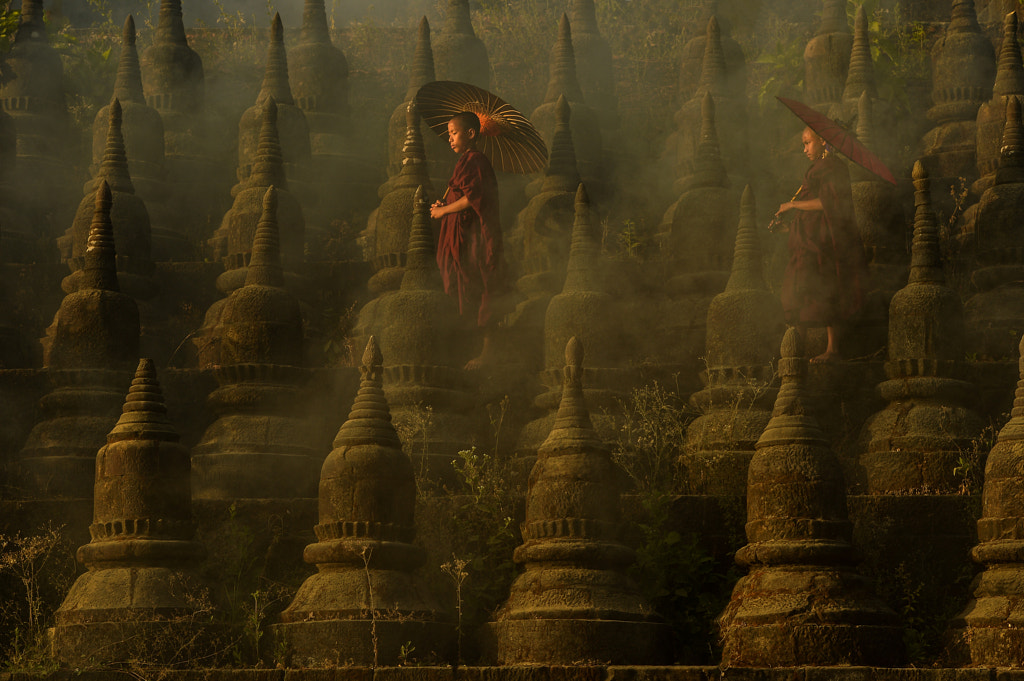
{"x": 437, "y": 210}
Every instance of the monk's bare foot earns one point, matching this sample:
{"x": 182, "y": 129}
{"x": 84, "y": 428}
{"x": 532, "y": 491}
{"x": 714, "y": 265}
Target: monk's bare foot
{"x": 474, "y": 364}
{"x": 826, "y": 358}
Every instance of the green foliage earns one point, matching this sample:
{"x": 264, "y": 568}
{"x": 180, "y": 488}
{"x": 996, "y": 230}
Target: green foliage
{"x": 9, "y": 19}
{"x": 650, "y": 439}
{"x": 485, "y": 533}
{"x": 36, "y": 572}
{"x": 681, "y": 580}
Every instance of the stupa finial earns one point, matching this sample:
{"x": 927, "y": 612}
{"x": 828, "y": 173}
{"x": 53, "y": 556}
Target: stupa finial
{"x": 265, "y": 262}
{"x": 369, "y": 421}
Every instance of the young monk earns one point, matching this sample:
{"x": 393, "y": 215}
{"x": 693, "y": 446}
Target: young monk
{"x": 823, "y": 283}
{"x": 469, "y": 250}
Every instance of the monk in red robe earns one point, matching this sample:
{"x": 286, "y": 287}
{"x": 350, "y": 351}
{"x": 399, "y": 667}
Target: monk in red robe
{"x": 469, "y": 250}
{"x": 823, "y": 283}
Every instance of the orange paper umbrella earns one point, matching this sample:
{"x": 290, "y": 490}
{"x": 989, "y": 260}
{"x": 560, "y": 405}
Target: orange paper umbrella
{"x": 839, "y": 138}
{"x": 507, "y": 137}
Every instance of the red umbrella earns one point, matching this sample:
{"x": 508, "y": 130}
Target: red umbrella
{"x": 839, "y": 138}
{"x": 507, "y": 137}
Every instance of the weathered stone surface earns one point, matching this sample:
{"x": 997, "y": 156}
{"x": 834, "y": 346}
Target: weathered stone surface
{"x": 232, "y": 242}
{"x": 574, "y": 590}
{"x": 139, "y": 598}
{"x": 365, "y": 602}
{"x": 586, "y": 130}
{"x": 988, "y": 631}
{"x": 90, "y": 349}
{"x": 594, "y": 63}
{"x": 963, "y": 70}
{"x": 258, "y": 447}
{"x": 827, "y": 56}
{"x": 803, "y": 602}
{"x": 459, "y": 54}
{"x": 743, "y": 330}
{"x": 914, "y": 443}
{"x": 993, "y": 313}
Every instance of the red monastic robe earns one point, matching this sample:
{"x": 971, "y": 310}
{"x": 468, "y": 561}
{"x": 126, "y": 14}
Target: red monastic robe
{"x": 469, "y": 250}
{"x": 824, "y": 280}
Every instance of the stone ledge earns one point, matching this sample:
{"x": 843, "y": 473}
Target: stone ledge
{"x": 536, "y": 673}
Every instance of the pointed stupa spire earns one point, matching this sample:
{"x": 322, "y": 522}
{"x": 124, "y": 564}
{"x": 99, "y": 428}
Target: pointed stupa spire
{"x": 573, "y": 428}
{"x": 865, "y": 120}
{"x": 422, "y": 71}
{"x": 964, "y": 18}
{"x": 926, "y": 258}
{"x": 170, "y": 27}
{"x": 581, "y": 270}
{"x": 275, "y": 77}
{"x": 268, "y": 166}
{"x": 1014, "y": 428}
{"x": 144, "y": 415}
{"x": 1009, "y": 68}
{"x": 265, "y": 263}
{"x": 708, "y": 169}
{"x": 1011, "y": 151}
{"x": 128, "y": 84}
{"x": 746, "y": 259}
{"x": 562, "y": 173}
{"x": 861, "y": 76}
{"x": 421, "y": 271}
{"x": 414, "y": 155}
{"x": 583, "y": 15}
{"x": 833, "y": 18}
{"x": 114, "y": 168}
{"x": 314, "y": 23}
{"x": 791, "y": 420}
{"x": 31, "y": 26}
{"x": 712, "y": 67}
{"x": 458, "y": 19}
{"x": 100, "y": 268}
{"x": 369, "y": 421}
{"x": 563, "y": 78}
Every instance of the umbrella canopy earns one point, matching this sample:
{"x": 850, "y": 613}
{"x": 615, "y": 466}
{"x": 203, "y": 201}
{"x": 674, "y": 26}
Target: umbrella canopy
{"x": 507, "y": 137}
{"x": 839, "y": 138}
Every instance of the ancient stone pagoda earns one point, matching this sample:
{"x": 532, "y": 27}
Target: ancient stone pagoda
{"x": 683, "y": 145}
{"x": 32, "y": 93}
{"x": 963, "y": 70}
{"x": 90, "y": 350}
{"x": 541, "y": 239}
{"x": 693, "y": 58}
{"x": 992, "y": 114}
{"x": 697, "y": 234}
{"x": 258, "y": 446}
{"x": 340, "y": 178}
{"x": 139, "y": 598}
{"x": 744, "y": 328}
{"x": 143, "y": 133}
{"x": 18, "y": 241}
{"x": 987, "y": 632}
{"x": 912, "y": 445}
{"x": 292, "y": 127}
{"x": 586, "y": 129}
{"x": 174, "y": 84}
{"x": 425, "y": 341}
{"x": 366, "y": 602}
{"x": 882, "y": 226}
{"x": 860, "y": 76}
{"x": 128, "y": 215}
{"x": 594, "y": 63}
{"x": 573, "y": 604}
{"x": 586, "y": 311}
{"x": 803, "y": 602}
{"x": 993, "y": 313}
{"x": 232, "y": 242}
{"x": 458, "y": 53}
{"x": 827, "y": 57}
{"x": 387, "y": 232}
{"x": 421, "y": 72}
